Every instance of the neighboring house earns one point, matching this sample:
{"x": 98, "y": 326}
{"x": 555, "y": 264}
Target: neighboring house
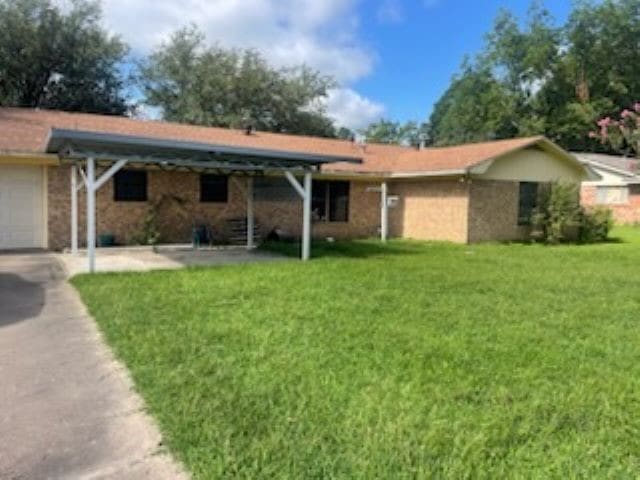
{"x": 468, "y": 193}
{"x": 618, "y": 188}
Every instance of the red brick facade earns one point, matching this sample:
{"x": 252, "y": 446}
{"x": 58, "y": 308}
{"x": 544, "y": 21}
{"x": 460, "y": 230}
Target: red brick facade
{"x": 452, "y": 209}
{"x": 178, "y": 207}
{"x": 625, "y": 214}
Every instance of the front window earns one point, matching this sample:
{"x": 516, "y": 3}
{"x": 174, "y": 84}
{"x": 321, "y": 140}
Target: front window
{"x": 528, "y": 201}
{"x": 615, "y": 195}
{"x": 330, "y": 201}
{"x": 214, "y": 188}
{"x": 130, "y": 186}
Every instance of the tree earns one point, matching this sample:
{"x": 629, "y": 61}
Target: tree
{"x": 475, "y": 107}
{"x": 621, "y": 134}
{"x": 537, "y": 78}
{"x": 344, "y": 133}
{"x": 208, "y": 85}
{"x": 50, "y": 58}
{"x": 387, "y": 131}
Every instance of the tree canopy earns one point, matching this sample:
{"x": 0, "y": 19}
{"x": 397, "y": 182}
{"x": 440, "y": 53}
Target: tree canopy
{"x": 59, "y": 59}
{"x": 537, "y": 78}
{"x": 207, "y": 85}
{"x": 388, "y": 131}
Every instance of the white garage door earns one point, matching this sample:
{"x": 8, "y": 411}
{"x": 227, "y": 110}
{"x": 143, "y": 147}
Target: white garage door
{"x": 21, "y": 207}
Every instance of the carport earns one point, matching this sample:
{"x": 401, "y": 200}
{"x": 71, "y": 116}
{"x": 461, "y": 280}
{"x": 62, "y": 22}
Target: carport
{"x": 86, "y": 150}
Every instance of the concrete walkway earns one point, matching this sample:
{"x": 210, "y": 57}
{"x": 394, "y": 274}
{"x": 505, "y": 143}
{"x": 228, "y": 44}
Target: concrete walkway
{"x": 118, "y": 259}
{"x": 67, "y": 409}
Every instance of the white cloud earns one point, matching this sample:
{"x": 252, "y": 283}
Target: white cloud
{"x": 322, "y": 34}
{"x": 390, "y": 11}
{"x": 350, "y": 109}
{"x": 319, "y": 33}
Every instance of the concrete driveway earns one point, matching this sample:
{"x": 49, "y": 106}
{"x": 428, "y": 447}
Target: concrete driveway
{"x": 67, "y": 409}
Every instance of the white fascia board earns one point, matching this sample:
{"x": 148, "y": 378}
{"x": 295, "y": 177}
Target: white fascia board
{"x": 435, "y": 173}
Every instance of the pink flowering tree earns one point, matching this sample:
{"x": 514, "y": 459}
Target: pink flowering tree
{"x": 622, "y": 133}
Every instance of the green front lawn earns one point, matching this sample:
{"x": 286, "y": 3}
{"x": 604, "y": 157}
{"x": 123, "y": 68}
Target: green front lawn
{"x": 411, "y": 360}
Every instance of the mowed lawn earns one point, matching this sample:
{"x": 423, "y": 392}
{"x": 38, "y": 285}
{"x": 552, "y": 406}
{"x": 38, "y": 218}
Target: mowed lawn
{"x": 411, "y": 360}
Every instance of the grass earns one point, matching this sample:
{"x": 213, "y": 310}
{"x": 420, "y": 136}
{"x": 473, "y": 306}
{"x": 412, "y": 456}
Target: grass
{"x": 411, "y": 360}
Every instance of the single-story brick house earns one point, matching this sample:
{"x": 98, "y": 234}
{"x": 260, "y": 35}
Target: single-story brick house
{"x": 618, "y": 188}
{"x": 468, "y": 193}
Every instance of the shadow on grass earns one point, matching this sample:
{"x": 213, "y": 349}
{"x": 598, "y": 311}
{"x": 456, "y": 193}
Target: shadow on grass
{"x": 344, "y": 249}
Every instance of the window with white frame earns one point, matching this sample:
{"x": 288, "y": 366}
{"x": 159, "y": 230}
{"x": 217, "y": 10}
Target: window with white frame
{"x": 612, "y": 195}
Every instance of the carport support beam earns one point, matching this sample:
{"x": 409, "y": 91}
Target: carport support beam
{"x": 74, "y": 209}
{"x": 304, "y": 191}
{"x": 250, "y": 216}
{"x": 91, "y": 214}
{"x": 306, "y": 218}
{"x": 384, "y": 212}
{"x": 92, "y": 183}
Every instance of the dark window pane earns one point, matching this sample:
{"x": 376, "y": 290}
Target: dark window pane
{"x": 338, "y": 201}
{"x": 528, "y": 201}
{"x": 319, "y": 200}
{"x": 330, "y": 201}
{"x": 214, "y": 188}
{"x": 130, "y": 186}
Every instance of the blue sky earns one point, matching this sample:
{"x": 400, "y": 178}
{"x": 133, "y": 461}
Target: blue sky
{"x": 420, "y": 49}
{"x": 392, "y": 58}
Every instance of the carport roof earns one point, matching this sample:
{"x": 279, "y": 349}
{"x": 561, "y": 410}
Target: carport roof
{"x": 80, "y": 144}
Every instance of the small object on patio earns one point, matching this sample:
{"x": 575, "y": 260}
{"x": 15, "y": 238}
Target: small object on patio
{"x": 278, "y": 234}
{"x": 201, "y": 234}
{"x": 106, "y": 240}
{"x": 330, "y": 240}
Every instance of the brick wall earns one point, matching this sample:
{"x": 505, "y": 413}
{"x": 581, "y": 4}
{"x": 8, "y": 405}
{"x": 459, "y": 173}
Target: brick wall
{"x": 628, "y": 213}
{"x": 493, "y": 211}
{"x": 430, "y": 210}
{"x": 177, "y": 194}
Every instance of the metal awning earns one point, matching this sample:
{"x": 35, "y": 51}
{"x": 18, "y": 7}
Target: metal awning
{"x": 79, "y": 145}
{"x": 85, "y": 148}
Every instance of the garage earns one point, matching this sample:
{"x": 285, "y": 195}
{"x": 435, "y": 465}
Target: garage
{"x": 22, "y": 207}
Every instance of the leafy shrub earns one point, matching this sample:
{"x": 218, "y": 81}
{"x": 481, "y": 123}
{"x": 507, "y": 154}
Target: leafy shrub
{"x": 149, "y": 233}
{"x": 556, "y": 219}
{"x": 559, "y": 217}
{"x": 595, "y": 225}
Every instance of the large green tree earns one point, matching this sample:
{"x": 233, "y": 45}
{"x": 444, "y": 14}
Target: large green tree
{"x": 388, "y": 131}
{"x": 60, "y": 59}
{"x": 537, "y": 78}
{"x": 208, "y": 85}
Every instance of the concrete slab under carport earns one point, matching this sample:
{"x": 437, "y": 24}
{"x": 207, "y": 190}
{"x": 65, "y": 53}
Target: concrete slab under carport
{"x": 162, "y": 257}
